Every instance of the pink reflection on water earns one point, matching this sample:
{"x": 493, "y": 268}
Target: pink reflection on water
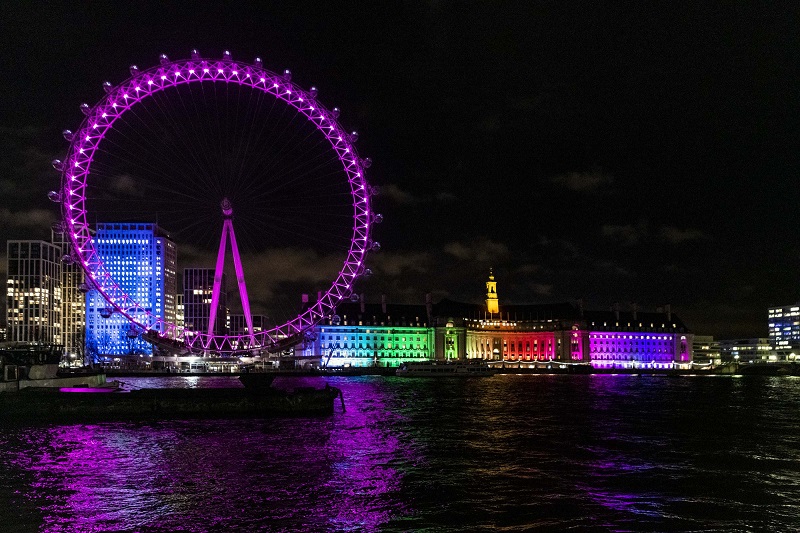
{"x": 92, "y": 474}
{"x": 343, "y": 472}
{"x": 369, "y": 454}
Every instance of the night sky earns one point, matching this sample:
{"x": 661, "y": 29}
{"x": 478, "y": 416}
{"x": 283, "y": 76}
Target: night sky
{"x": 641, "y": 153}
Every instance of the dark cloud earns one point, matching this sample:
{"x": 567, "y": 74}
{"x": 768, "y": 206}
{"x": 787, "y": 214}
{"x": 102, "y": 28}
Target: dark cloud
{"x": 677, "y": 235}
{"x": 482, "y": 250}
{"x": 583, "y": 182}
{"x": 626, "y": 234}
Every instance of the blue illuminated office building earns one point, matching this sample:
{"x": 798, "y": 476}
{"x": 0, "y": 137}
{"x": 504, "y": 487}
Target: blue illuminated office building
{"x": 142, "y": 259}
{"x": 784, "y": 331}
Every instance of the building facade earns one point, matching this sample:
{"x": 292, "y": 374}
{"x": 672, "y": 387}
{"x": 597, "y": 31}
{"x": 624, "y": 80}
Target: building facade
{"x": 519, "y": 335}
{"x": 237, "y": 324}
{"x": 746, "y": 350}
{"x": 784, "y": 331}
{"x": 198, "y": 286}
{"x": 364, "y": 335}
{"x": 142, "y": 260}
{"x": 33, "y": 292}
{"x": 73, "y": 304}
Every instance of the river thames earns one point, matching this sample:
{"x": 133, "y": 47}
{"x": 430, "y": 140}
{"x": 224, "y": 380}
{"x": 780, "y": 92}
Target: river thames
{"x": 504, "y": 453}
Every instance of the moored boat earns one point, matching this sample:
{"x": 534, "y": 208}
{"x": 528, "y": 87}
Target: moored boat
{"x": 61, "y": 404}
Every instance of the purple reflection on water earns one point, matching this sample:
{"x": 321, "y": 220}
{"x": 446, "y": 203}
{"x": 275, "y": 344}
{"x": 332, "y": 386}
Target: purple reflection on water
{"x": 368, "y": 452}
{"x": 340, "y": 473}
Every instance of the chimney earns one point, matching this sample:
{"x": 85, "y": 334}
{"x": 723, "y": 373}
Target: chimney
{"x": 668, "y": 310}
{"x": 304, "y": 298}
{"x": 319, "y": 295}
{"x": 429, "y": 307}
{"x": 363, "y": 305}
{"x": 383, "y": 304}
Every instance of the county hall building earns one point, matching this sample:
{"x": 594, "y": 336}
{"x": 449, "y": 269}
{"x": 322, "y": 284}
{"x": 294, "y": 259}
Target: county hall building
{"x": 362, "y": 334}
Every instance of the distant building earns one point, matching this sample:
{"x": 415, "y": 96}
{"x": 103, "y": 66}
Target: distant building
{"x": 179, "y": 317}
{"x": 706, "y": 350}
{"x": 33, "y": 292}
{"x": 73, "y": 304}
{"x": 142, "y": 260}
{"x": 237, "y": 325}
{"x": 784, "y": 331}
{"x": 198, "y": 286}
{"x": 746, "y": 350}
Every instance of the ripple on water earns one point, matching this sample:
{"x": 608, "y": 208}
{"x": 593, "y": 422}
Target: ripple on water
{"x": 507, "y": 453}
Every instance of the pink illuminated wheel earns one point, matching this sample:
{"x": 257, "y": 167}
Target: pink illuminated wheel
{"x": 171, "y": 142}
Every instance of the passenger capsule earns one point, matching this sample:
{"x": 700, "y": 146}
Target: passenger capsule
{"x": 367, "y": 273}
{"x": 353, "y": 136}
{"x": 134, "y": 70}
{"x": 375, "y": 246}
{"x": 163, "y": 59}
{"x": 366, "y": 163}
{"x": 54, "y": 196}
{"x": 68, "y": 135}
{"x": 106, "y": 312}
{"x": 354, "y": 297}
{"x": 287, "y": 75}
{"x": 377, "y": 218}
{"x": 84, "y": 288}
{"x": 57, "y": 227}
{"x": 226, "y": 55}
{"x": 85, "y": 109}
{"x": 374, "y": 190}
{"x": 57, "y": 164}
{"x": 107, "y": 87}
{"x": 336, "y": 112}
{"x": 67, "y": 259}
{"x": 195, "y": 54}
{"x": 336, "y": 320}
{"x": 258, "y": 62}
{"x": 313, "y": 92}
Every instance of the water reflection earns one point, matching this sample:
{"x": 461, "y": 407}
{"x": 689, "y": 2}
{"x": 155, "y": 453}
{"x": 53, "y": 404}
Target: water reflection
{"x": 516, "y": 453}
{"x": 367, "y": 451}
{"x": 340, "y": 473}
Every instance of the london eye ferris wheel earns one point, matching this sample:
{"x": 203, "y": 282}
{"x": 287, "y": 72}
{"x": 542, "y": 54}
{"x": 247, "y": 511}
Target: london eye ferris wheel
{"x": 194, "y": 143}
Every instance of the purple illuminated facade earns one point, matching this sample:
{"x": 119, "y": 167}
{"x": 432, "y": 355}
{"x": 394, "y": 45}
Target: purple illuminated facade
{"x": 77, "y": 179}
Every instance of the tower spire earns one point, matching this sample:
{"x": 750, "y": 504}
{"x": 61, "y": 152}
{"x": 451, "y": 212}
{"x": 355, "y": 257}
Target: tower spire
{"x": 492, "y": 304}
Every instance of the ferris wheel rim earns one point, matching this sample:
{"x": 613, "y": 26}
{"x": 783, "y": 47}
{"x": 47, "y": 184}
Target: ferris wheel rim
{"x": 139, "y": 86}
